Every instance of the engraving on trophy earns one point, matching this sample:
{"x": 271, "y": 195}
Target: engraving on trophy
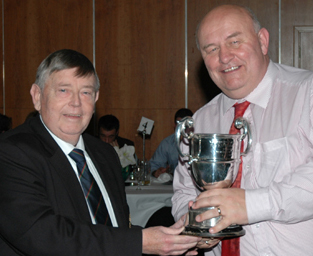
{"x": 214, "y": 161}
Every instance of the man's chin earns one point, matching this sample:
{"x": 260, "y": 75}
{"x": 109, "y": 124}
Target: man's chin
{"x": 72, "y": 132}
{"x": 236, "y": 91}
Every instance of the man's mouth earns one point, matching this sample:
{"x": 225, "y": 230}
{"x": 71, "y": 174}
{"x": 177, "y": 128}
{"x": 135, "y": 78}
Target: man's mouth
{"x": 70, "y": 115}
{"x": 230, "y": 69}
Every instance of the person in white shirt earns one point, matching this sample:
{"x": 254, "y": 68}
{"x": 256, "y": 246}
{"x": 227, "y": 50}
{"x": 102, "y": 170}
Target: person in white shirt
{"x": 274, "y": 202}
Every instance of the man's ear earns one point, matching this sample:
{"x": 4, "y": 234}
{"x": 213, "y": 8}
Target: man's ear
{"x": 97, "y": 96}
{"x": 96, "y": 99}
{"x": 264, "y": 40}
{"x": 35, "y": 92}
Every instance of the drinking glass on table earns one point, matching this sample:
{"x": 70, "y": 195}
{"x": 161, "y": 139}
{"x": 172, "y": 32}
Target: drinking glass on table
{"x": 139, "y": 176}
{"x": 147, "y": 172}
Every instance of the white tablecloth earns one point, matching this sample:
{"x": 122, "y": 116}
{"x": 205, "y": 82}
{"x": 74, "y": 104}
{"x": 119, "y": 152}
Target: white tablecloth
{"x": 143, "y": 203}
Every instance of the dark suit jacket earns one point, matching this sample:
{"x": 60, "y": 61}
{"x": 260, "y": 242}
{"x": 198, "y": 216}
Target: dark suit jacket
{"x": 42, "y": 206}
{"x": 122, "y": 141}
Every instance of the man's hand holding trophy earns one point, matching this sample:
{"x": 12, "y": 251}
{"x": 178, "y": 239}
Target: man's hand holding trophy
{"x": 214, "y": 161}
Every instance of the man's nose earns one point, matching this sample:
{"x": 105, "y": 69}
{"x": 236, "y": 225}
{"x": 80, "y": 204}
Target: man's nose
{"x": 225, "y": 55}
{"x": 76, "y": 99}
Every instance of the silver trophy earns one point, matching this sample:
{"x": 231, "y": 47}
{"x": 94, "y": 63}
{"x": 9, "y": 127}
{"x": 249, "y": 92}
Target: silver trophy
{"x": 214, "y": 161}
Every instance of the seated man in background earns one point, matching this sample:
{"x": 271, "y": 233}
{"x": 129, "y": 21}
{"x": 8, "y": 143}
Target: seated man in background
{"x": 165, "y": 158}
{"x": 47, "y": 166}
{"x": 108, "y": 128}
{"x": 5, "y": 123}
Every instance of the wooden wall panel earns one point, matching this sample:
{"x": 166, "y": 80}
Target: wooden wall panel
{"x": 140, "y": 54}
{"x": 32, "y": 30}
{"x": 294, "y": 14}
{"x": 140, "y": 63}
{"x": 201, "y": 87}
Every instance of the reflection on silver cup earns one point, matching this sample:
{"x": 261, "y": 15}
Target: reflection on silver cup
{"x": 203, "y": 224}
{"x": 214, "y": 160}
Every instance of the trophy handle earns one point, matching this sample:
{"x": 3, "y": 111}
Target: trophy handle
{"x": 186, "y": 122}
{"x": 243, "y": 123}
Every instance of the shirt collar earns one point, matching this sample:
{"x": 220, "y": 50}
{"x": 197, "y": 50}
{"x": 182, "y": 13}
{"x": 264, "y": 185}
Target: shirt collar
{"x": 65, "y": 146}
{"x": 259, "y": 96}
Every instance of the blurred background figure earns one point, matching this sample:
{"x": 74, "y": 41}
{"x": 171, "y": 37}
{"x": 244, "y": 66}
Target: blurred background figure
{"x": 108, "y": 128}
{"x": 5, "y": 123}
{"x": 165, "y": 158}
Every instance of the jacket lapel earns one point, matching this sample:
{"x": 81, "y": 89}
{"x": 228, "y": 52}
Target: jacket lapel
{"x": 65, "y": 174}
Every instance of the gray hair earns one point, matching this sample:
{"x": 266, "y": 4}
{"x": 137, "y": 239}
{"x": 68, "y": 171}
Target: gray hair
{"x": 256, "y": 23}
{"x": 65, "y": 59}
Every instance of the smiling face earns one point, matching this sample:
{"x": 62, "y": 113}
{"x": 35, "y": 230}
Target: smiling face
{"x": 234, "y": 54}
{"x": 66, "y": 103}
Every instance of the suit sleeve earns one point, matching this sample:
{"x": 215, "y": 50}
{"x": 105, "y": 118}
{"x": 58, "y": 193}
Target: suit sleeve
{"x": 33, "y": 222}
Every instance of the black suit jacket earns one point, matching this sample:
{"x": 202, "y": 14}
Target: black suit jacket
{"x": 42, "y": 206}
{"x": 122, "y": 141}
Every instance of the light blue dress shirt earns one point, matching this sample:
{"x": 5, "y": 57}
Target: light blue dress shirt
{"x": 165, "y": 154}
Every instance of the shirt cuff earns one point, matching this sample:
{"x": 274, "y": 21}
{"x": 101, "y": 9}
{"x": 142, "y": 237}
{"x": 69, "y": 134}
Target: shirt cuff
{"x": 258, "y": 205}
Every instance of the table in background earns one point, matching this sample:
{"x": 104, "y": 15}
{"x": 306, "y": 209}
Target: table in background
{"x": 143, "y": 203}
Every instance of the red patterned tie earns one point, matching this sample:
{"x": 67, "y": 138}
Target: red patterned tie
{"x": 231, "y": 247}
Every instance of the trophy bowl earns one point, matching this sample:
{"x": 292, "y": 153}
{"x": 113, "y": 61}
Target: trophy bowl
{"x": 214, "y": 162}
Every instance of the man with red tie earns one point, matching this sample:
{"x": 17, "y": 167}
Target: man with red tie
{"x": 272, "y": 194}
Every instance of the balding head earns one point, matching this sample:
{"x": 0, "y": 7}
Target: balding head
{"x": 234, "y": 49}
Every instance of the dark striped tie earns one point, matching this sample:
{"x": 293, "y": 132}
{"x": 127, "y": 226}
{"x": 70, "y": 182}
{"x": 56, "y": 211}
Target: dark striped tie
{"x": 91, "y": 190}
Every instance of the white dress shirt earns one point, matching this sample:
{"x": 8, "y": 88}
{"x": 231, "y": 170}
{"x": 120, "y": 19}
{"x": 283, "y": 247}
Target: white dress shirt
{"x": 277, "y": 173}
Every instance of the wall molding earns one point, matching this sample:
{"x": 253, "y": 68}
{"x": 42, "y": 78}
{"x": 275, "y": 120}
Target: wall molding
{"x": 298, "y": 51}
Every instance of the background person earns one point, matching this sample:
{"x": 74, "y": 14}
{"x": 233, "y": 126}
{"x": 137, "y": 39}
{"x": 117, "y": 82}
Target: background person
{"x": 108, "y": 127}
{"x": 165, "y": 158}
{"x": 5, "y": 123}
{"x": 274, "y": 199}
{"x": 43, "y": 206}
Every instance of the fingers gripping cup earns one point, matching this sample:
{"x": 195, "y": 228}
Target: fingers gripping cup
{"x": 214, "y": 162}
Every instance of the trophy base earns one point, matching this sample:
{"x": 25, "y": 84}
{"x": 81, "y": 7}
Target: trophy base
{"x": 231, "y": 231}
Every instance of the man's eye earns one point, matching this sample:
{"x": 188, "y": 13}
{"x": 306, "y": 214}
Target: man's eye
{"x": 212, "y": 50}
{"x": 87, "y": 93}
{"x": 62, "y": 90}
